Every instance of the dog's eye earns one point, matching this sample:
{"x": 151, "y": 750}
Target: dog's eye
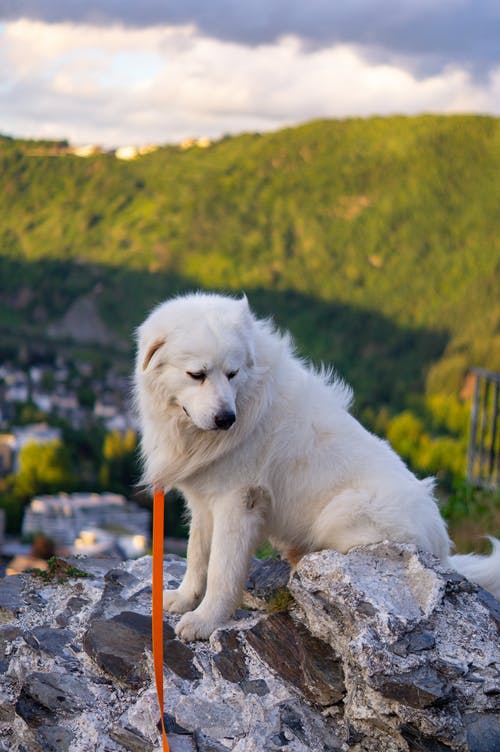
{"x": 198, "y": 375}
{"x": 231, "y": 375}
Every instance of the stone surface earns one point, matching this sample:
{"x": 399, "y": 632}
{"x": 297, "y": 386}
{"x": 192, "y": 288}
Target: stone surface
{"x": 306, "y": 662}
{"x": 419, "y": 688}
{"x": 11, "y": 601}
{"x": 53, "y": 641}
{"x": 8, "y": 634}
{"x": 58, "y": 692}
{"x": 419, "y": 645}
{"x": 382, "y": 649}
{"x": 266, "y": 577}
{"x": 118, "y": 649}
{"x": 131, "y": 739}
{"x": 483, "y": 732}
{"x": 55, "y": 739}
{"x": 230, "y": 659}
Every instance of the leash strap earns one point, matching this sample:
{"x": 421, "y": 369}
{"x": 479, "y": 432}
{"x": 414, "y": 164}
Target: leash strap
{"x": 157, "y": 604}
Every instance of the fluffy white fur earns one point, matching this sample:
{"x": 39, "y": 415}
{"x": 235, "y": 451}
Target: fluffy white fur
{"x": 287, "y": 463}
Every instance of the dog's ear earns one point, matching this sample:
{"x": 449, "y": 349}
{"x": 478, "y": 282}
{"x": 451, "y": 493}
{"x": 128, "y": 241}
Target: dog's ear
{"x": 152, "y": 349}
{"x": 245, "y": 312}
{"x": 248, "y": 319}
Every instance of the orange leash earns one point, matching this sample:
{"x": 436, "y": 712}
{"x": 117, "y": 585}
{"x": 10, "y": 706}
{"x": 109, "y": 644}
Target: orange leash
{"x": 157, "y": 604}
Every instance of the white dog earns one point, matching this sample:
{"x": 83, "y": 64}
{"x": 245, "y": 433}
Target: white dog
{"x": 263, "y": 447}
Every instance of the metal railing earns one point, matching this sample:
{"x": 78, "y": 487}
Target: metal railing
{"x": 483, "y": 456}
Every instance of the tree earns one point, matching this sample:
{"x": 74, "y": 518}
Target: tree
{"x": 43, "y": 468}
{"x": 119, "y": 468}
{"x": 12, "y": 506}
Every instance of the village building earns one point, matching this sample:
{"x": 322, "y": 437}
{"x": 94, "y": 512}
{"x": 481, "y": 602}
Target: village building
{"x": 89, "y": 523}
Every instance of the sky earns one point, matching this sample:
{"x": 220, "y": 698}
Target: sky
{"x": 122, "y": 72}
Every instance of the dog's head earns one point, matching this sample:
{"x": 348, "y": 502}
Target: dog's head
{"x": 195, "y": 354}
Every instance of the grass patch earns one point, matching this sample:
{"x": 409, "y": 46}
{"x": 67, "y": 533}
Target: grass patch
{"x": 59, "y": 571}
{"x": 282, "y": 600}
{"x": 267, "y": 551}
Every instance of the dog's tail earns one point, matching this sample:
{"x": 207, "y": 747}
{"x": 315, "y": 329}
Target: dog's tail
{"x": 483, "y": 570}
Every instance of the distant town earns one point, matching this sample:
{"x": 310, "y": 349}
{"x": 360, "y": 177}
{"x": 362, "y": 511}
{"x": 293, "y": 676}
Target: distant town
{"x": 67, "y": 396}
{"x": 122, "y": 152}
{"x": 72, "y": 392}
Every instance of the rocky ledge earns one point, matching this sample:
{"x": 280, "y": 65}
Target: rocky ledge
{"x": 381, "y": 649}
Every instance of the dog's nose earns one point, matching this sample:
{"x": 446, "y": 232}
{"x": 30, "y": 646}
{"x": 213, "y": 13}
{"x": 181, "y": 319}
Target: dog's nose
{"x": 225, "y": 420}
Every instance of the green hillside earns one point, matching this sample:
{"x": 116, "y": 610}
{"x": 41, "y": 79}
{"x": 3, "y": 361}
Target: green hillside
{"x": 374, "y": 240}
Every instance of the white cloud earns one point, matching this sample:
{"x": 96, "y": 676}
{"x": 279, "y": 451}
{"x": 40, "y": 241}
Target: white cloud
{"x": 433, "y": 34}
{"x": 116, "y": 85}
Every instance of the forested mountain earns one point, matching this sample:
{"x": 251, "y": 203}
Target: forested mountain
{"x": 374, "y": 240}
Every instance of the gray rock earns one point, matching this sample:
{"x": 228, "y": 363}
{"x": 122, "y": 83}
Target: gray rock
{"x": 11, "y": 600}
{"x": 418, "y": 688}
{"x": 120, "y": 578}
{"x": 205, "y": 744}
{"x": 140, "y": 600}
{"x": 409, "y": 633}
{"x": 118, "y": 648}
{"x": 266, "y": 576}
{"x": 419, "y": 742}
{"x": 382, "y": 649}
{"x": 180, "y": 659}
{"x": 97, "y": 566}
{"x": 230, "y": 661}
{"x": 299, "y": 724}
{"x": 131, "y": 739}
{"x": 483, "y": 732}
{"x": 213, "y": 718}
{"x": 31, "y": 711}
{"x": 8, "y": 634}
{"x": 414, "y": 641}
{"x": 73, "y": 606}
{"x": 254, "y": 687}
{"x": 181, "y": 743}
{"x": 171, "y": 725}
{"x": 58, "y": 693}
{"x": 118, "y": 645}
{"x": 50, "y": 640}
{"x": 308, "y": 663}
{"x": 55, "y": 738}
{"x": 491, "y": 604}
{"x": 7, "y": 713}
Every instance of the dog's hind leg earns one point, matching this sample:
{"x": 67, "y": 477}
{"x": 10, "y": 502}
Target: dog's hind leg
{"x": 238, "y": 527}
{"x": 192, "y": 588}
{"x": 346, "y": 522}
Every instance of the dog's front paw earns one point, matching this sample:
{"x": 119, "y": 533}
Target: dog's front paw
{"x": 178, "y": 602}
{"x": 195, "y": 626}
